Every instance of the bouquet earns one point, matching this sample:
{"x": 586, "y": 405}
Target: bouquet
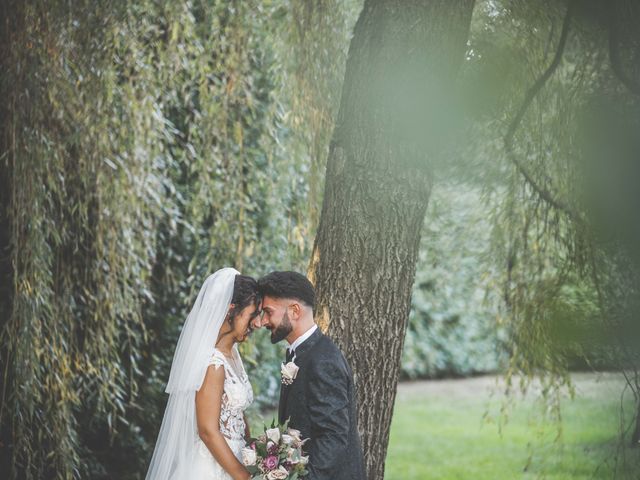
{"x": 276, "y": 455}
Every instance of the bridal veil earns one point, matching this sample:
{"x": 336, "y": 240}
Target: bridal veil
{"x": 172, "y": 457}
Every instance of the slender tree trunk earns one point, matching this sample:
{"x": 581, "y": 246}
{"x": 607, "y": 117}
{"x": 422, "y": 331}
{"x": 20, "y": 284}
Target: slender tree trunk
{"x": 402, "y": 58}
{"x": 6, "y": 277}
{"x": 635, "y": 438}
{"x": 6, "y": 187}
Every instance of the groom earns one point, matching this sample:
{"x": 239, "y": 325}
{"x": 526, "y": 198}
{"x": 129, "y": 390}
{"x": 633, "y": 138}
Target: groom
{"x": 320, "y": 400}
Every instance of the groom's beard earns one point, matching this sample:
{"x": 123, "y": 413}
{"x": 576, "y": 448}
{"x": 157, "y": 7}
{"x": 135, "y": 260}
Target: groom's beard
{"x": 282, "y": 330}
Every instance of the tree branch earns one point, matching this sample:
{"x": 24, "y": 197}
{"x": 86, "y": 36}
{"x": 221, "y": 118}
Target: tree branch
{"x": 544, "y": 193}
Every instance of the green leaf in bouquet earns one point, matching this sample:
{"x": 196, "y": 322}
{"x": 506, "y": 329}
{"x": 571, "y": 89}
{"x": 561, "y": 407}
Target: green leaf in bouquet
{"x": 295, "y": 456}
{"x": 261, "y": 449}
{"x": 300, "y": 470}
{"x": 285, "y": 426}
{"x": 253, "y": 469}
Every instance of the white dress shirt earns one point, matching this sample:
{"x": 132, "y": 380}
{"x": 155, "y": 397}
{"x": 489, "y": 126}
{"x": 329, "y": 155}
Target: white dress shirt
{"x": 300, "y": 340}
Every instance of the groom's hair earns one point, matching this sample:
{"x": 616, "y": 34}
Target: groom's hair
{"x": 287, "y": 285}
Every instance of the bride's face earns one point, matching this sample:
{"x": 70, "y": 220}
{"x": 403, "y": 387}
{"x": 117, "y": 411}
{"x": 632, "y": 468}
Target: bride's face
{"x": 241, "y": 328}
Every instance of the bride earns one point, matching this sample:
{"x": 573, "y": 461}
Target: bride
{"x": 204, "y": 428}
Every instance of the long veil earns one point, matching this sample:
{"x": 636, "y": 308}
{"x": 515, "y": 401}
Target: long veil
{"x": 172, "y": 457}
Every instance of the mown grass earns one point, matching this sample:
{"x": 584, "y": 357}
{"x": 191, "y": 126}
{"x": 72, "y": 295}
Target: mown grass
{"x": 440, "y": 431}
{"x": 453, "y": 430}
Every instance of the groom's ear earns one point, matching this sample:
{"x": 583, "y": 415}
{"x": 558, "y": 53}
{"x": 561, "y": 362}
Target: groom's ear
{"x": 297, "y": 310}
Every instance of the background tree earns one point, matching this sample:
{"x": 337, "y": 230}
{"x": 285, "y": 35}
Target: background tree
{"x": 401, "y": 61}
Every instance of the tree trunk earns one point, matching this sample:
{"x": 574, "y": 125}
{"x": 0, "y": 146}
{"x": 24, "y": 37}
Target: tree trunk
{"x": 6, "y": 175}
{"x": 402, "y": 59}
{"x": 6, "y": 276}
{"x": 635, "y": 438}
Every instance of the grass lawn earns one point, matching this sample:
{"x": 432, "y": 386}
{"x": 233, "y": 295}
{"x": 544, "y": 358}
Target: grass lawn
{"x": 438, "y": 432}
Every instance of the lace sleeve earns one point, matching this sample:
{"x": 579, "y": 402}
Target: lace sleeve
{"x": 216, "y": 360}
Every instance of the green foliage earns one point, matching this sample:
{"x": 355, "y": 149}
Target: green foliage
{"x": 315, "y": 36}
{"x": 146, "y": 148}
{"x": 453, "y": 326}
{"x": 529, "y": 153}
{"x": 145, "y": 144}
{"x": 81, "y": 232}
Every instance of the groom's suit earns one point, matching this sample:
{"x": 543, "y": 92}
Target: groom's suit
{"x": 321, "y": 404}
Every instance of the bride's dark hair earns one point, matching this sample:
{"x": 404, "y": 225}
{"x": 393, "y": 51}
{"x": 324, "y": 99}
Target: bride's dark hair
{"x": 245, "y": 292}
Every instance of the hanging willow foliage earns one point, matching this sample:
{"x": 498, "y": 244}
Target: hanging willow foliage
{"x": 559, "y": 276}
{"x": 81, "y": 211}
{"x": 318, "y": 36}
{"x": 141, "y": 150}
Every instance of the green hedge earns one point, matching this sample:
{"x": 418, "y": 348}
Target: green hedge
{"x": 453, "y": 326}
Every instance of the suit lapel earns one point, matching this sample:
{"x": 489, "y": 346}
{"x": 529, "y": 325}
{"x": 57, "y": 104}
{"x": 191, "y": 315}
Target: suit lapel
{"x": 285, "y": 389}
{"x": 308, "y": 343}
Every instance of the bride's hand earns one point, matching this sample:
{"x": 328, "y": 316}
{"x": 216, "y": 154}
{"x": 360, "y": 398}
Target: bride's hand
{"x": 245, "y": 477}
{"x": 208, "y": 406}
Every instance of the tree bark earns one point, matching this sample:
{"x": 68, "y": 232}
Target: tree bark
{"x": 402, "y": 60}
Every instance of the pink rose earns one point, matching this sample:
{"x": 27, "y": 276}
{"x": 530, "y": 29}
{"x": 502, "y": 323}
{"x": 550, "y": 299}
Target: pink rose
{"x": 271, "y": 462}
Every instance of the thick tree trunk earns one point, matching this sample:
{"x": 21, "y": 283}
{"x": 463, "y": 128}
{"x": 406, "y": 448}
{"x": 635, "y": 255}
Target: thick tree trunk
{"x": 402, "y": 58}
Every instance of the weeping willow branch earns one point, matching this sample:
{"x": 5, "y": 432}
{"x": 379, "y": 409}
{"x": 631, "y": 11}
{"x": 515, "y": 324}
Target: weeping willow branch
{"x": 627, "y": 360}
{"x": 132, "y": 130}
{"x": 318, "y": 33}
{"x": 533, "y": 91}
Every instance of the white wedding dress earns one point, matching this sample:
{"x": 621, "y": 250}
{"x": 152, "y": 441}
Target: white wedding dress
{"x": 179, "y": 453}
{"x": 238, "y": 395}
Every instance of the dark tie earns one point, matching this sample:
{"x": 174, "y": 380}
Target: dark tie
{"x": 290, "y": 354}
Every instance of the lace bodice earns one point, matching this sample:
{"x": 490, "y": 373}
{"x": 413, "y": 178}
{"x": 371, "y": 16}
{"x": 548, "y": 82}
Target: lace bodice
{"x": 238, "y": 395}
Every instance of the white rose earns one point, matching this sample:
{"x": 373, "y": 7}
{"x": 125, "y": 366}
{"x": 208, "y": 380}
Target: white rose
{"x": 295, "y": 434}
{"x": 279, "y": 474}
{"x": 287, "y": 439}
{"x": 293, "y": 456}
{"x": 289, "y": 372}
{"x": 273, "y": 434}
{"x": 249, "y": 456}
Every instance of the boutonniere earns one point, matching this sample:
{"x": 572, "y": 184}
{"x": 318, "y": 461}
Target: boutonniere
{"x": 289, "y": 372}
